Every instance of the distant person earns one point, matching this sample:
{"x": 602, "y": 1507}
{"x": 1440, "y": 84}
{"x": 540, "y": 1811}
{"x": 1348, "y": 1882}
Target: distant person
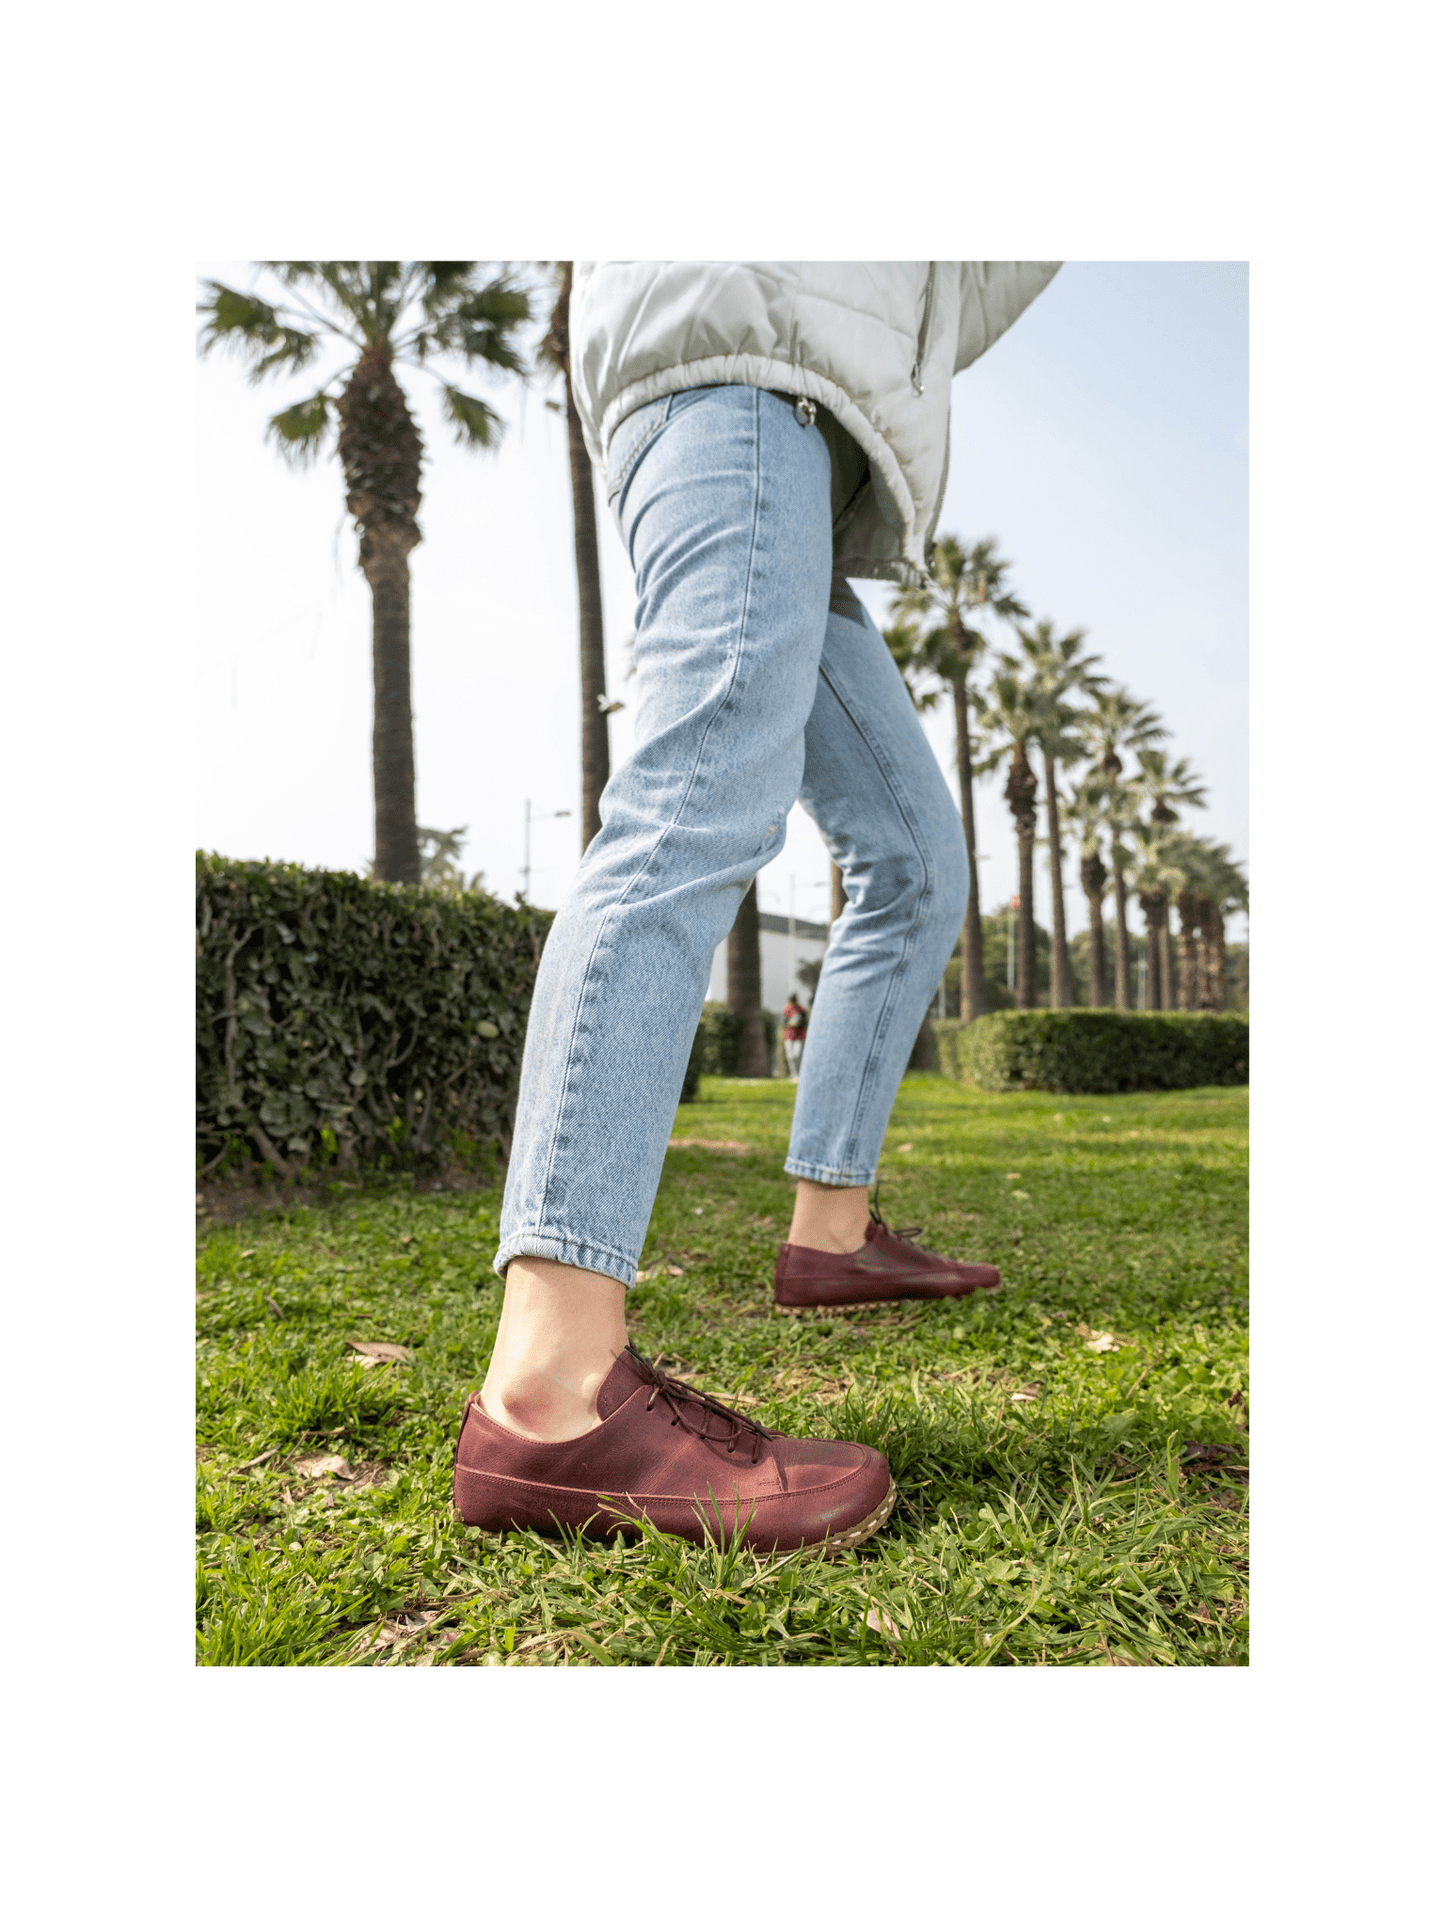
{"x": 795, "y": 1029}
{"x": 766, "y": 430}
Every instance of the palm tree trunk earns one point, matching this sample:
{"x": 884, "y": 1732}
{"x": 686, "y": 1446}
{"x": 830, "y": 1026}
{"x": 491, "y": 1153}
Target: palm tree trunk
{"x": 1121, "y": 934}
{"x": 1061, "y": 976}
{"x": 393, "y": 760}
{"x": 1151, "y": 955}
{"x": 1213, "y": 993}
{"x": 1094, "y": 876}
{"x": 1097, "y": 970}
{"x": 381, "y": 455}
{"x": 1028, "y": 977}
{"x": 596, "y": 757}
{"x": 1189, "y": 949}
{"x": 1166, "y": 961}
{"x": 973, "y": 998}
{"x": 745, "y": 986}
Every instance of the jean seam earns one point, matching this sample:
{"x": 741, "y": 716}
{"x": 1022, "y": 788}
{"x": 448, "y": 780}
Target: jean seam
{"x": 634, "y": 455}
{"x": 606, "y": 920}
{"x": 900, "y": 969}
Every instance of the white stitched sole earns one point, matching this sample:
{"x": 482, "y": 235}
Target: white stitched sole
{"x": 855, "y": 1535}
{"x": 824, "y": 1548}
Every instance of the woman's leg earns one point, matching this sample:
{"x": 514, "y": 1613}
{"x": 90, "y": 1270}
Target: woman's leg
{"x": 725, "y": 512}
{"x": 873, "y": 786}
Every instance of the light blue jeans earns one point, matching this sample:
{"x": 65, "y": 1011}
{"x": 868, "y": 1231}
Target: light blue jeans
{"x": 751, "y": 694}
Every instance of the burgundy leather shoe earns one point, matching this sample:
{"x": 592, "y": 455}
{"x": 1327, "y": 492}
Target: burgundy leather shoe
{"x": 888, "y": 1267}
{"x": 679, "y": 1459}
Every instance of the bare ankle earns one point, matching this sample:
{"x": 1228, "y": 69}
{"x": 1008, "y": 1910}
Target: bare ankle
{"x": 538, "y": 1407}
{"x": 829, "y": 1217}
{"x": 561, "y": 1332}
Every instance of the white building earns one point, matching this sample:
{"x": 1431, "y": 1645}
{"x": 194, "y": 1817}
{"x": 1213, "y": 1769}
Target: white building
{"x": 785, "y": 942}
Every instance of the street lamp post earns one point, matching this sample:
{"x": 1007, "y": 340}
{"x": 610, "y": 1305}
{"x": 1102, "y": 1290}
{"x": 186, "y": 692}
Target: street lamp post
{"x": 529, "y": 816}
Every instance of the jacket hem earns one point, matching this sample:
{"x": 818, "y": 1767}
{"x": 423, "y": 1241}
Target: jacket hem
{"x": 762, "y": 371}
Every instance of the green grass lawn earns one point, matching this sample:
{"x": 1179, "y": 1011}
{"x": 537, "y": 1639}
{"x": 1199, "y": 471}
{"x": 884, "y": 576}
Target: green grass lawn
{"x": 1069, "y": 1451}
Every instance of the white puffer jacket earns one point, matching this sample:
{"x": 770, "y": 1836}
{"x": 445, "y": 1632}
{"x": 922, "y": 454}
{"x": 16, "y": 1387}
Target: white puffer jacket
{"x": 875, "y": 342}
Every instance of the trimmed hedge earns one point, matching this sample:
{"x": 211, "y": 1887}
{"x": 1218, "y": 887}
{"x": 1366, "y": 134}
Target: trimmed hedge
{"x": 719, "y": 1034}
{"x": 716, "y": 1045}
{"x": 359, "y": 1022}
{"x": 1095, "y": 1050}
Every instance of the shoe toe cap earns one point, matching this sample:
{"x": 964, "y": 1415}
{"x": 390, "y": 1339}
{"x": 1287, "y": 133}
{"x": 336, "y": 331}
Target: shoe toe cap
{"x": 807, "y": 1464}
{"x": 978, "y": 1277}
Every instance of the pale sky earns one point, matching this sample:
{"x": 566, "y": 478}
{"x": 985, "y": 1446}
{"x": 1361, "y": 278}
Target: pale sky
{"x": 1103, "y": 440}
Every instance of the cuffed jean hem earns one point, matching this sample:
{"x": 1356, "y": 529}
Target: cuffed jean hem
{"x": 565, "y": 1251}
{"x": 820, "y": 1174}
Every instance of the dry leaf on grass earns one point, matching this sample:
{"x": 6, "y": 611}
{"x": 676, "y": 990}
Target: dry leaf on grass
{"x": 318, "y": 1468}
{"x": 1009, "y": 1175}
{"x": 1024, "y": 1391}
{"x": 706, "y": 1144}
{"x": 878, "y": 1621}
{"x": 375, "y": 1353}
{"x": 660, "y": 1271}
{"x": 1102, "y": 1342}
{"x": 903, "y": 1147}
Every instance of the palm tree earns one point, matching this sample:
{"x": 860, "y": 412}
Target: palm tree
{"x": 963, "y": 579}
{"x": 377, "y": 315}
{"x": 1226, "y": 890}
{"x": 1057, "y": 667}
{"x": 745, "y": 986}
{"x": 1213, "y": 885}
{"x": 1158, "y": 874}
{"x": 1118, "y": 721}
{"x": 1013, "y": 713}
{"x": 1085, "y": 813}
{"x": 1191, "y": 900}
{"x": 596, "y": 752}
{"x": 1167, "y": 785}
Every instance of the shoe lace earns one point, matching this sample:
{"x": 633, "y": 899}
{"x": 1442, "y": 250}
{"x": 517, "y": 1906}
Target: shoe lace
{"x": 679, "y": 1397}
{"x": 907, "y": 1233}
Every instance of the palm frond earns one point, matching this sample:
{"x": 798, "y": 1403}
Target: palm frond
{"x": 255, "y": 329}
{"x": 907, "y": 649}
{"x": 476, "y": 425}
{"x": 1169, "y": 785}
{"x": 299, "y": 431}
{"x": 444, "y": 282}
{"x": 341, "y": 282}
{"x": 479, "y": 326}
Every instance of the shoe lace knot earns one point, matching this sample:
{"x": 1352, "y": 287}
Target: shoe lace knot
{"x": 680, "y": 1400}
